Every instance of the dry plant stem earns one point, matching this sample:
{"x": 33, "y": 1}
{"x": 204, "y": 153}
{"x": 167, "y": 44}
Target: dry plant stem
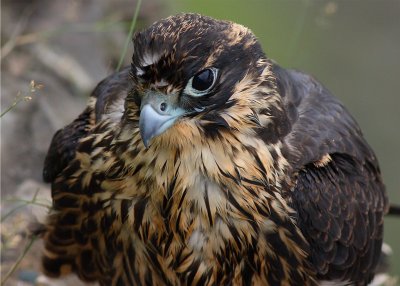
{"x": 30, "y": 242}
{"x": 33, "y": 87}
{"x": 15, "y": 103}
{"x": 25, "y": 203}
{"x": 129, "y": 37}
{"x": 29, "y": 203}
{"x": 33, "y": 201}
{"x": 4, "y": 217}
{"x": 14, "y": 267}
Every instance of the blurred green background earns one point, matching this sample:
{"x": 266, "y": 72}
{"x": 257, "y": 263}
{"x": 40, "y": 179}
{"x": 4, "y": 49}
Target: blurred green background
{"x": 351, "y": 46}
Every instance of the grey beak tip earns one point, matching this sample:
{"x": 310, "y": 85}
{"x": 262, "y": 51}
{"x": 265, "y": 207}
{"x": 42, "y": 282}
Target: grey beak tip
{"x": 152, "y": 123}
{"x": 145, "y": 139}
{"x": 146, "y": 143}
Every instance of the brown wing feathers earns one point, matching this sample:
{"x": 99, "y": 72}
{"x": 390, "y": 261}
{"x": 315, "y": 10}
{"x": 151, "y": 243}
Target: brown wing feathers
{"x": 341, "y": 213}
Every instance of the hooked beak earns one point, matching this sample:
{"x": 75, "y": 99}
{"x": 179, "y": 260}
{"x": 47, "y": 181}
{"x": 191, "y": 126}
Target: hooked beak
{"x": 153, "y": 122}
{"x": 158, "y": 112}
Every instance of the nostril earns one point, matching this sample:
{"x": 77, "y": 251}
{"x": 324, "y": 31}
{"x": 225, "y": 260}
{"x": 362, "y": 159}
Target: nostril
{"x": 163, "y": 106}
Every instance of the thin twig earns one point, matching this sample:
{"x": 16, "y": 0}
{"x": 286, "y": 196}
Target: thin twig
{"x": 28, "y": 202}
{"x": 14, "y": 104}
{"x": 129, "y": 37}
{"x": 16, "y": 264}
{"x": 35, "y": 194}
{"x": 33, "y": 238}
{"x": 4, "y": 217}
{"x": 33, "y": 87}
{"x": 25, "y": 203}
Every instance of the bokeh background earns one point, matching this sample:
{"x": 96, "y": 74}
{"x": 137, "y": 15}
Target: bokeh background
{"x": 66, "y": 47}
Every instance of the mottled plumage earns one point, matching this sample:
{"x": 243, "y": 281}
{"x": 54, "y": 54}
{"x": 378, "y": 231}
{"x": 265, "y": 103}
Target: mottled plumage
{"x": 206, "y": 163}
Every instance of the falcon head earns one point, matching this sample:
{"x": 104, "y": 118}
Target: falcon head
{"x": 197, "y": 76}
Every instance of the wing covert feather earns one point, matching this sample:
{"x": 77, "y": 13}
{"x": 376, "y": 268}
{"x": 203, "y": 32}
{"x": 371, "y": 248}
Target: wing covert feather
{"x": 340, "y": 209}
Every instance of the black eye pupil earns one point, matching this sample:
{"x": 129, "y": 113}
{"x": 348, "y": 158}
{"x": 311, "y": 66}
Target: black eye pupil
{"x": 203, "y": 80}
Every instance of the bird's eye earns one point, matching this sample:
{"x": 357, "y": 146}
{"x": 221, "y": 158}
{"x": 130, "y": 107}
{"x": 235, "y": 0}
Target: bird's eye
{"x": 201, "y": 83}
{"x": 203, "y": 80}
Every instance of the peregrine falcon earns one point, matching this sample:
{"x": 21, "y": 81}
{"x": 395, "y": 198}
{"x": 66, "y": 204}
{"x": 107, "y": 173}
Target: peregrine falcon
{"x": 206, "y": 163}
